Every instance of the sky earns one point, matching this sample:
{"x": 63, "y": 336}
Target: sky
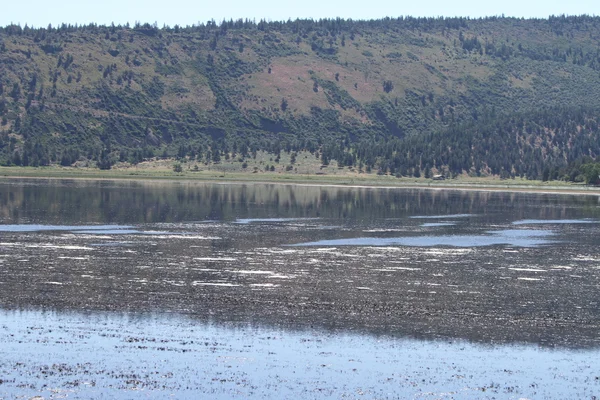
{"x": 40, "y": 13}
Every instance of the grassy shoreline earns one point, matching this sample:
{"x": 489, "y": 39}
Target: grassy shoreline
{"x": 343, "y": 179}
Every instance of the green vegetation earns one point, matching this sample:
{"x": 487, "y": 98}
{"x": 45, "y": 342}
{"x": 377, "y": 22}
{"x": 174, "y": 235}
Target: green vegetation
{"x": 404, "y": 97}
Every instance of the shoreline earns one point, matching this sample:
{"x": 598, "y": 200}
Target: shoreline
{"x": 347, "y": 181}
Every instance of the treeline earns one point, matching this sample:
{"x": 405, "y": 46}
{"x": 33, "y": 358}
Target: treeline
{"x": 544, "y": 145}
{"x": 557, "y": 144}
{"x": 558, "y": 24}
{"x": 332, "y": 25}
{"x": 575, "y": 54}
{"x": 584, "y": 170}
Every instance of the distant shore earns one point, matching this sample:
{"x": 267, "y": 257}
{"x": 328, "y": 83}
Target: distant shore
{"x": 342, "y": 179}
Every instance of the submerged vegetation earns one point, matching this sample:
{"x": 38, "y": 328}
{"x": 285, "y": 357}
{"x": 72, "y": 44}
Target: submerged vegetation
{"x": 396, "y": 96}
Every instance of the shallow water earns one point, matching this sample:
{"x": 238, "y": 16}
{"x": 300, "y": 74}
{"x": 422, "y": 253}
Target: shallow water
{"x": 442, "y": 216}
{"x": 83, "y": 355}
{"x": 555, "y": 221}
{"x": 73, "y": 228}
{"x": 435, "y": 224}
{"x": 520, "y": 238}
{"x": 508, "y": 277}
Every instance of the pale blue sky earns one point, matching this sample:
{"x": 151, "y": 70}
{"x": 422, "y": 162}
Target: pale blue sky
{"x": 187, "y": 12}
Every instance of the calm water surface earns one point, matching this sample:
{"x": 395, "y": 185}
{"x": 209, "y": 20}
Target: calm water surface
{"x": 122, "y": 289}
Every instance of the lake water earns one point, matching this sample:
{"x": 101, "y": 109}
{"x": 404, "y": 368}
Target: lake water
{"x": 115, "y": 289}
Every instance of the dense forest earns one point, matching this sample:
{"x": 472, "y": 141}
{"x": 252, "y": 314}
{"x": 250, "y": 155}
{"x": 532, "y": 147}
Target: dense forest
{"x": 401, "y": 96}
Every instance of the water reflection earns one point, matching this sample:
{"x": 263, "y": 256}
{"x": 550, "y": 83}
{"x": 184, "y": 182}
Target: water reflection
{"x": 70, "y": 202}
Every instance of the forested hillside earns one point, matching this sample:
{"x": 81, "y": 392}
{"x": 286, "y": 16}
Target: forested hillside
{"x": 406, "y": 96}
